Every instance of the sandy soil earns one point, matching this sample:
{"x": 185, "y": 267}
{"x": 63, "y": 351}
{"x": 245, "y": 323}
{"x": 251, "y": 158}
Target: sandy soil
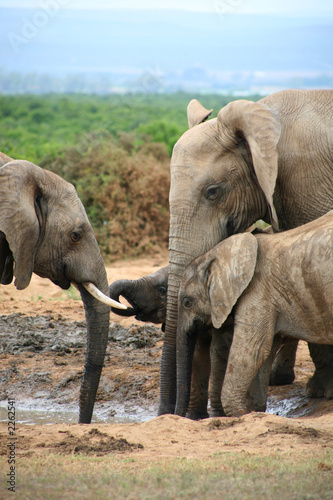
{"x": 42, "y": 369}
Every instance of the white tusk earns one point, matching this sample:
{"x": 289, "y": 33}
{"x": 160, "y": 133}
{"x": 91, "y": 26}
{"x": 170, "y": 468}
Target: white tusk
{"x": 95, "y": 292}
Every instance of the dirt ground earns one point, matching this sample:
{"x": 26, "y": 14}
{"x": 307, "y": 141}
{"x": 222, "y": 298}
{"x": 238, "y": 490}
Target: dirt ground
{"x": 42, "y": 350}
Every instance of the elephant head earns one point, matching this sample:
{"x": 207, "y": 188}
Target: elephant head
{"x": 210, "y": 288}
{"x": 223, "y": 175}
{"x": 147, "y": 296}
{"x": 44, "y": 229}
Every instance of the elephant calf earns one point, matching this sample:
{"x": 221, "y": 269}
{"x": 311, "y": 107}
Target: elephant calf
{"x": 287, "y": 276}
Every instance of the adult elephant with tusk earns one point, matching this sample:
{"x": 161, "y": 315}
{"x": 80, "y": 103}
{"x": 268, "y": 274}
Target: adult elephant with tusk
{"x": 44, "y": 229}
{"x": 270, "y": 160}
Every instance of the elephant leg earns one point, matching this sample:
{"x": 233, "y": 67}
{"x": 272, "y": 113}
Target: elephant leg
{"x": 257, "y": 397}
{"x": 249, "y": 352}
{"x": 197, "y": 407}
{"x": 219, "y": 352}
{"x": 282, "y": 372}
{"x": 321, "y": 383}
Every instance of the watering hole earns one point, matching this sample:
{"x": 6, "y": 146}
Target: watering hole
{"x": 42, "y": 360}
{"x": 43, "y": 411}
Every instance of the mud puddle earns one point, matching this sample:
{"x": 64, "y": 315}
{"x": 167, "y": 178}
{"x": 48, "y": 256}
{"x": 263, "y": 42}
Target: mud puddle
{"x": 41, "y": 367}
{"x": 296, "y": 404}
{"x": 39, "y": 411}
{"x": 43, "y": 412}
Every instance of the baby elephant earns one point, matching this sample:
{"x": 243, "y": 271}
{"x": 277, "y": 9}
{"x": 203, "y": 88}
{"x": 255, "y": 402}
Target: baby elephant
{"x": 269, "y": 284}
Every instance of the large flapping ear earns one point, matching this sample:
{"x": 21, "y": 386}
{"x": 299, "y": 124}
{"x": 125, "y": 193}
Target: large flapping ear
{"x": 19, "y": 192}
{"x": 261, "y": 128}
{"x": 197, "y": 113}
{"x": 231, "y": 269}
{"x": 4, "y": 159}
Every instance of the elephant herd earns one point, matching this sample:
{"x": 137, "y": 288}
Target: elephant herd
{"x": 233, "y": 304}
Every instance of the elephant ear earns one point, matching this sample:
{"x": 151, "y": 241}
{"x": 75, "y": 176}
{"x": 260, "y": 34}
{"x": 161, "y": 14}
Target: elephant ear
{"x": 261, "y": 128}
{"x": 19, "y": 224}
{"x": 4, "y": 159}
{"x": 230, "y": 271}
{"x": 197, "y": 113}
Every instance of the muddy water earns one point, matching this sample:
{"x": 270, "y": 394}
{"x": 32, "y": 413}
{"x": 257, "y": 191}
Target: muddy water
{"x": 31, "y": 411}
{"x": 297, "y": 404}
{"x": 38, "y": 400}
{"x": 43, "y": 412}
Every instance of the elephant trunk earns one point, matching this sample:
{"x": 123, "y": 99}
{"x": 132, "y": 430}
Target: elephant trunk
{"x": 168, "y": 358}
{"x": 177, "y": 264}
{"x": 185, "y": 350}
{"x": 146, "y": 295}
{"x": 123, "y": 288}
{"x": 97, "y": 317}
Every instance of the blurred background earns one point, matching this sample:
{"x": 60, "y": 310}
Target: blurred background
{"x": 97, "y": 91}
{"x": 247, "y": 46}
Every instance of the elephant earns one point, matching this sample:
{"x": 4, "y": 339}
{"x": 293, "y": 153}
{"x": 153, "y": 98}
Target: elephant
{"x": 44, "y": 229}
{"x": 269, "y": 160}
{"x": 288, "y": 275}
{"x": 147, "y": 296}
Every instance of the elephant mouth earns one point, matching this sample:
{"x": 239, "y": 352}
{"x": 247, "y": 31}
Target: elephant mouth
{"x": 134, "y": 310}
{"x": 151, "y": 316}
{"x": 130, "y": 311}
{"x": 141, "y": 316}
{"x": 64, "y": 283}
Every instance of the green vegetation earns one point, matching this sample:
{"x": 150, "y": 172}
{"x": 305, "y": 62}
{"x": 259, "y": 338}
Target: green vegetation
{"x": 225, "y": 475}
{"x": 115, "y": 149}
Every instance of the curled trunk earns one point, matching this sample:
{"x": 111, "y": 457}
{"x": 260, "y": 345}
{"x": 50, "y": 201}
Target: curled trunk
{"x": 123, "y": 288}
{"x": 147, "y": 296}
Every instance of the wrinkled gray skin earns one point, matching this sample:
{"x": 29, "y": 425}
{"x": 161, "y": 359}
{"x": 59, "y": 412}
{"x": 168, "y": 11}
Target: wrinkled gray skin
{"x": 270, "y": 160}
{"x": 44, "y": 229}
{"x": 223, "y": 175}
{"x": 289, "y": 276}
{"x": 147, "y": 296}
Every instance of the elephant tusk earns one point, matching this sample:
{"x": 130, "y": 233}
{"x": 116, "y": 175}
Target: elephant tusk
{"x": 95, "y": 292}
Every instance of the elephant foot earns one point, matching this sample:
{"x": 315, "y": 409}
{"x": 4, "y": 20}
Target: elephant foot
{"x": 236, "y": 411}
{"x": 166, "y": 410}
{"x": 282, "y": 371}
{"x": 320, "y": 384}
{"x": 195, "y": 415}
{"x": 259, "y": 407}
{"x": 280, "y": 377}
{"x": 216, "y": 412}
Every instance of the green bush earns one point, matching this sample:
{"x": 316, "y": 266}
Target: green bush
{"x": 115, "y": 149}
{"x": 124, "y": 189}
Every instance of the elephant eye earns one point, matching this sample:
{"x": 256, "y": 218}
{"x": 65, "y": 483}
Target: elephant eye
{"x": 162, "y": 291}
{"x": 212, "y": 192}
{"x": 76, "y": 235}
{"x": 187, "y": 302}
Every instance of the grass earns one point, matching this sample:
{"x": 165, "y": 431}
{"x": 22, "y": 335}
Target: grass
{"x": 36, "y": 299}
{"x": 72, "y": 293}
{"x": 292, "y": 475}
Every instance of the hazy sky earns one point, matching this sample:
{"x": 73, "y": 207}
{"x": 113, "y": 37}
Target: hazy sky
{"x": 282, "y": 7}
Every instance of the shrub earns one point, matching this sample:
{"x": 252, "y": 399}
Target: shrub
{"x": 124, "y": 187}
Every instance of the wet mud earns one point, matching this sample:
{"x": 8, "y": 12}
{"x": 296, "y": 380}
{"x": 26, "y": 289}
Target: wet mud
{"x": 41, "y": 367}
